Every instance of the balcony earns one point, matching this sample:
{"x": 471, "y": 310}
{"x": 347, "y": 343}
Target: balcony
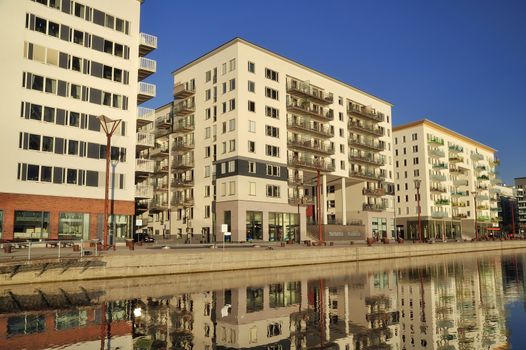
{"x": 366, "y": 175}
{"x": 483, "y": 178}
{"x": 483, "y": 207}
{"x": 437, "y": 177}
{"x": 183, "y": 91}
{"x": 483, "y": 218}
{"x": 366, "y": 159}
{"x": 163, "y": 122}
{"x": 456, "y": 149}
{"x": 142, "y": 204}
{"x": 494, "y": 162}
{"x": 146, "y": 68}
{"x": 311, "y": 163}
{"x": 459, "y": 216}
{"x": 456, "y": 159}
{"x": 301, "y": 200}
{"x": 367, "y": 129}
{"x": 183, "y": 201}
{"x": 143, "y": 192}
{"x": 305, "y": 90}
{"x": 161, "y": 186}
{"x": 145, "y": 92}
{"x": 159, "y": 152}
{"x": 373, "y": 207}
{"x": 368, "y": 145}
{"x": 295, "y": 180}
{"x": 440, "y": 166}
{"x": 183, "y": 145}
{"x": 375, "y": 192}
{"x": 482, "y": 197}
{"x": 304, "y": 108}
{"x": 436, "y": 153}
{"x": 161, "y": 168}
{"x": 481, "y": 168}
{"x": 147, "y": 43}
{"x": 435, "y": 141}
{"x": 145, "y": 140}
{"x": 305, "y": 125}
{"x": 460, "y": 182}
{"x": 184, "y": 125}
{"x": 158, "y": 205}
{"x": 144, "y": 166}
{"x": 458, "y": 204}
{"x": 434, "y": 189}
{"x": 184, "y": 108}
{"x": 182, "y": 183}
{"x": 460, "y": 194}
{"x": 145, "y": 116}
{"x": 476, "y": 156}
{"x": 365, "y": 112}
{"x": 183, "y": 164}
{"x": 311, "y": 146}
{"x": 439, "y": 214}
{"x": 442, "y": 202}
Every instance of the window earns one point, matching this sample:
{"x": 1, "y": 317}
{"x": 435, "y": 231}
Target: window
{"x": 251, "y": 67}
{"x": 207, "y": 132}
{"x": 223, "y": 189}
{"x": 231, "y": 188}
{"x": 252, "y": 146}
{"x": 207, "y": 114}
{"x": 414, "y": 137}
{"x": 207, "y": 211}
{"x": 73, "y": 226}
{"x": 208, "y": 94}
{"x": 223, "y": 69}
{"x": 232, "y": 84}
{"x": 224, "y": 88}
{"x": 415, "y": 160}
{"x": 232, "y": 145}
{"x": 207, "y": 170}
{"x": 271, "y": 93}
{"x": 342, "y": 164}
{"x": 231, "y": 166}
{"x": 232, "y": 104}
{"x": 207, "y": 191}
{"x": 232, "y": 65}
{"x": 207, "y": 151}
{"x": 272, "y": 75}
{"x": 208, "y": 76}
{"x": 272, "y": 131}
{"x": 251, "y": 86}
{"x": 31, "y": 224}
{"x": 273, "y": 170}
{"x": 272, "y": 112}
{"x": 273, "y": 191}
{"x": 251, "y": 126}
{"x": 231, "y": 125}
{"x": 415, "y": 149}
{"x": 251, "y": 106}
{"x": 251, "y": 188}
{"x": 272, "y": 151}
{"x": 252, "y": 167}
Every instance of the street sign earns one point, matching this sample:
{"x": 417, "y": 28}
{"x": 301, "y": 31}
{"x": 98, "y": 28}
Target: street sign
{"x": 224, "y": 228}
{"x": 228, "y": 233}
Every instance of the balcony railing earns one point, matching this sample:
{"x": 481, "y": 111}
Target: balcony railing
{"x": 456, "y": 159}
{"x": 295, "y": 180}
{"x": 305, "y": 90}
{"x": 442, "y": 202}
{"x": 476, "y": 156}
{"x": 145, "y": 92}
{"x": 437, "y": 177}
{"x": 435, "y": 140}
{"x": 366, "y": 175}
{"x": 146, "y": 68}
{"x": 161, "y": 168}
{"x": 458, "y": 204}
{"x": 482, "y": 207}
{"x": 494, "y": 162}
{"x": 158, "y": 204}
{"x": 184, "y": 125}
{"x": 440, "y": 166}
{"x": 483, "y": 178}
{"x": 147, "y": 43}
{"x": 439, "y": 214}
{"x": 456, "y": 149}
{"x": 377, "y": 192}
{"x": 460, "y": 194}
{"x": 145, "y": 139}
{"x": 366, "y": 112}
{"x": 460, "y": 216}
{"x": 437, "y": 153}
{"x": 435, "y": 189}
{"x": 143, "y": 192}
{"x": 145, "y": 116}
{"x": 159, "y": 152}
{"x": 370, "y": 145}
{"x": 460, "y": 182}
{"x": 373, "y": 207}
{"x": 176, "y": 183}
{"x": 144, "y": 165}
{"x": 301, "y": 200}
{"x": 364, "y": 128}
{"x": 367, "y": 159}
{"x": 163, "y": 122}
{"x": 305, "y": 125}
{"x": 184, "y": 107}
{"x": 311, "y": 146}
{"x": 310, "y": 163}
{"x": 483, "y": 218}
{"x": 305, "y": 108}
{"x": 185, "y": 201}
{"x": 183, "y": 164}
{"x": 182, "y": 90}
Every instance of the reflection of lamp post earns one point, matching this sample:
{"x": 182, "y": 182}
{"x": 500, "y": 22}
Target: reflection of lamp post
{"x": 474, "y": 194}
{"x": 417, "y": 186}
{"x": 109, "y": 126}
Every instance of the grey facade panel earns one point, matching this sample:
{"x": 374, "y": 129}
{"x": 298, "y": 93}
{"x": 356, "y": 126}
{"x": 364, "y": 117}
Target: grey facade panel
{"x": 261, "y": 170}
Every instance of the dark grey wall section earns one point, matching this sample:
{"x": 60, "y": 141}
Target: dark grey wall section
{"x": 261, "y": 169}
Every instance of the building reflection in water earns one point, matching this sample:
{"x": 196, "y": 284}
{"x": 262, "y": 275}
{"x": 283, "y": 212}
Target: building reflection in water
{"x": 438, "y": 306}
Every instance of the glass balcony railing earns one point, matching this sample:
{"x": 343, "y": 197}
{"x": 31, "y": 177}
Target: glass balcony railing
{"x": 145, "y": 140}
{"x": 301, "y": 200}
{"x": 305, "y": 90}
{"x": 311, "y": 163}
{"x": 183, "y": 90}
{"x": 367, "y": 112}
{"x": 366, "y": 175}
{"x": 310, "y": 145}
{"x": 436, "y": 153}
{"x": 305, "y": 125}
{"x": 304, "y": 107}
{"x": 144, "y": 165}
{"x": 364, "y": 128}
{"x": 366, "y": 159}
{"x": 373, "y": 207}
{"x": 365, "y": 144}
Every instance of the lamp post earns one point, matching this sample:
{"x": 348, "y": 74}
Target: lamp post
{"x": 109, "y": 126}
{"x": 417, "y": 186}
{"x": 474, "y": 194}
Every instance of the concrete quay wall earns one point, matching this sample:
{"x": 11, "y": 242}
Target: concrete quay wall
{"x": 168, "y": 262}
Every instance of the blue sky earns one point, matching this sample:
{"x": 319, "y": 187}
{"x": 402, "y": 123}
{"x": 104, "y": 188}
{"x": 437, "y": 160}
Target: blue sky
{"x": 460, "y": 63}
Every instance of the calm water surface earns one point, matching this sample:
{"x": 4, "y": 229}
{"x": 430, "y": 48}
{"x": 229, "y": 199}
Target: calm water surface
{"x": 473, "y": 302}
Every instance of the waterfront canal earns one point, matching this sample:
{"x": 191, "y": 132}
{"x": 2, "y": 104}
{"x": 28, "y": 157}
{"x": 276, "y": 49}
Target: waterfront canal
{"x": 456, "y": 302}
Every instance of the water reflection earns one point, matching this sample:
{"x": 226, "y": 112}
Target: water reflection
{"x": 458, "y": 304}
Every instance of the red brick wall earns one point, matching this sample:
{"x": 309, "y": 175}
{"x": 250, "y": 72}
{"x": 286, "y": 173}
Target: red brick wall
{"x": 9, "y": 202}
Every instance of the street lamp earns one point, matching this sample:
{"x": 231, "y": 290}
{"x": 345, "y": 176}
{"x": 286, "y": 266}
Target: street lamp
{"x": 109, "y": 126}
{"x": 474, "y": 194}
{"x": 417, "y": 186}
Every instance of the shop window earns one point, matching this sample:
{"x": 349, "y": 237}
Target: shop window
{"x": 31, "y": 225}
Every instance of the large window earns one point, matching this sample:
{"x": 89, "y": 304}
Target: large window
{"x": 120, "y": 226}
{"x": 254, "y": 225}
{"x": 26, "y": 324}
{"x": 31, "y": 224}
{"x": 73, "y": 226}
{"x": 254, "y": 299}
{"x": 283, "y": 226}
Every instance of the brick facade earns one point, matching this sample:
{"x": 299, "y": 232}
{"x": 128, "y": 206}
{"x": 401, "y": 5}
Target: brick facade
{"x": 9, "y": 202}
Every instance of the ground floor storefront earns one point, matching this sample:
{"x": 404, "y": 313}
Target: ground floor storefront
{"x": 37, "y": 217}
{"x": 440, "y": 229}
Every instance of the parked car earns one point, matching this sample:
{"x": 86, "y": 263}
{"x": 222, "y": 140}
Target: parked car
{"x": 143, "y": 237}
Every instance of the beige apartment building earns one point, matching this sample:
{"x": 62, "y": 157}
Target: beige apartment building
{"x": 64, "y": 64}
{"x": 271, "y": 148}
{"x": 457, "y": 179}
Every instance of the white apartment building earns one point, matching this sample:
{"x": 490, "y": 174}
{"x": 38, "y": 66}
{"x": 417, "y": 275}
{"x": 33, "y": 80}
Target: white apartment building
{"x": 64, "y": 63}
{"x": 457, "y": 182}
{"x": 251, "y": 137}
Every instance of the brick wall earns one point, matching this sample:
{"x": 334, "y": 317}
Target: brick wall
{"x": 9, "y": 202}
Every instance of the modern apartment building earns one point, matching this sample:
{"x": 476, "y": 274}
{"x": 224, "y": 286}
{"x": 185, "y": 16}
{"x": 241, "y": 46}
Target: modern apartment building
{"x": 64, "y": 64}
{"x": 520, "y": 188}
{"x": 507, "y": 209}
{"x": 273, "y": 149}
{"x": 457, "y": 179}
